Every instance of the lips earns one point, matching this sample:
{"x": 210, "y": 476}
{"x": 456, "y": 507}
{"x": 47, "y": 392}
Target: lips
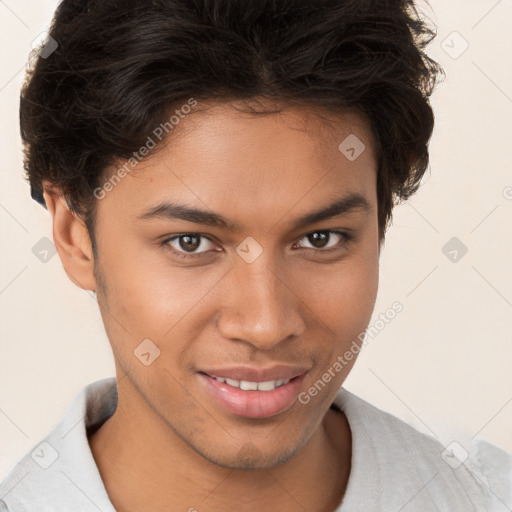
{"x": 249, "y": 374}
{"x": 252, "y": 392}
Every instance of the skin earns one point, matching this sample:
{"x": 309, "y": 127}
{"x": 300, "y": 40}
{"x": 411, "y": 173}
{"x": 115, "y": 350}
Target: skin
{"x": 169, "y": 445}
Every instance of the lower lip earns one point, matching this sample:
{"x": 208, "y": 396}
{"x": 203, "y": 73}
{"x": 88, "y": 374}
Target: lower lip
{"x": 253, "y": 404}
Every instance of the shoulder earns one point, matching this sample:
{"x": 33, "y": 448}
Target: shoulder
{"x": 392, "y": 454}
{"x": 59, "y": 472}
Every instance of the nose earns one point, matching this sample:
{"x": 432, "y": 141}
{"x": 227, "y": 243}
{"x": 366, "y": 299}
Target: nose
{"x": 261, "y": 306}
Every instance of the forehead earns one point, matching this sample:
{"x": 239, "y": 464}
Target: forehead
{"x": 227, "y": 127}
{"x": 222, "y": 158}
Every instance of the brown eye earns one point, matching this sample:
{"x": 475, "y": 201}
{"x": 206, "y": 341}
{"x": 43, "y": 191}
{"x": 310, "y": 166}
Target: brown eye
{"x": 322, "y": 239}
{"x": 187, "y": 244}
{"x": 318, "y": 239}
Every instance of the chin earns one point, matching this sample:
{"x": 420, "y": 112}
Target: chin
{"x": 250, "y": 458}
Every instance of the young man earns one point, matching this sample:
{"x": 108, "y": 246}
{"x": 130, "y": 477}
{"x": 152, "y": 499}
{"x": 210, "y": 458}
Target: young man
{"x": 221, "y": 173}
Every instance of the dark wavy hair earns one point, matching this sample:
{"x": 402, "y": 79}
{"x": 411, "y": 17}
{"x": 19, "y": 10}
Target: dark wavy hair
{"x": 120, "y": 68}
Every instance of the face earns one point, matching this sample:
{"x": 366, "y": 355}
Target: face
{"x": 245, "y": 303}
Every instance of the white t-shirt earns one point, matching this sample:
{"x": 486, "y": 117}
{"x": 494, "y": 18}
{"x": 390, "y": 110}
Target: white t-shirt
{"x": 394, "y": 468}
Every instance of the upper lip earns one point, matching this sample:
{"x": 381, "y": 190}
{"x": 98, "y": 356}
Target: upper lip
{"x": 251, "y": 374}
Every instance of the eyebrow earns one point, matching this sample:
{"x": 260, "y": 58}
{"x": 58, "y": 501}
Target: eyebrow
{"x": 172, "y": 211}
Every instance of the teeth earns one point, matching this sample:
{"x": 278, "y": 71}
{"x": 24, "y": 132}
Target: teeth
{"x": 246, "y": 385}
{"x": 267, "y": 386}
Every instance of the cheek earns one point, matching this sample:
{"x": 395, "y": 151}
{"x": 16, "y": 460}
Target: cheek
{"x": 150, "y": 293}
{"x": 343, "y": 302}
{"x": 343, "y": 295}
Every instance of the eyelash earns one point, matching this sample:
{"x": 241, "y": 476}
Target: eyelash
{"x": 187, "y": 256}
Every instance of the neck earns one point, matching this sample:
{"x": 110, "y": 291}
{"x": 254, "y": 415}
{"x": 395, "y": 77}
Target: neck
{"x": 157, "y": 469}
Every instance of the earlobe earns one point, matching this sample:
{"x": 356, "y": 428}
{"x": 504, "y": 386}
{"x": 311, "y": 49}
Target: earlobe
{"x": 71, "y": 240}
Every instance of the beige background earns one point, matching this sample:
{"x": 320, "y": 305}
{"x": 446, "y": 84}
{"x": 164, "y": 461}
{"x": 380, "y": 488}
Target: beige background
{"x": 443, "y": 364}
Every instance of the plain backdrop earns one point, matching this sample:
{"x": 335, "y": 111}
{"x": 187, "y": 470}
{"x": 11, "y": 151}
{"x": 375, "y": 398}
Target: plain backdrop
{"x": 442, "y": 364}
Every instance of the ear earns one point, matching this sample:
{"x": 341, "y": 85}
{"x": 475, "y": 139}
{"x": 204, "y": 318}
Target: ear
{"x": 71, "y": 239}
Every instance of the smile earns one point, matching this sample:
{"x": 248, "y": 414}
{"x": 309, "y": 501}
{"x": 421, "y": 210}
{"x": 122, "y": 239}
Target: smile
{"x": 246, "y": 385}
{"x": 252, "y": 398}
